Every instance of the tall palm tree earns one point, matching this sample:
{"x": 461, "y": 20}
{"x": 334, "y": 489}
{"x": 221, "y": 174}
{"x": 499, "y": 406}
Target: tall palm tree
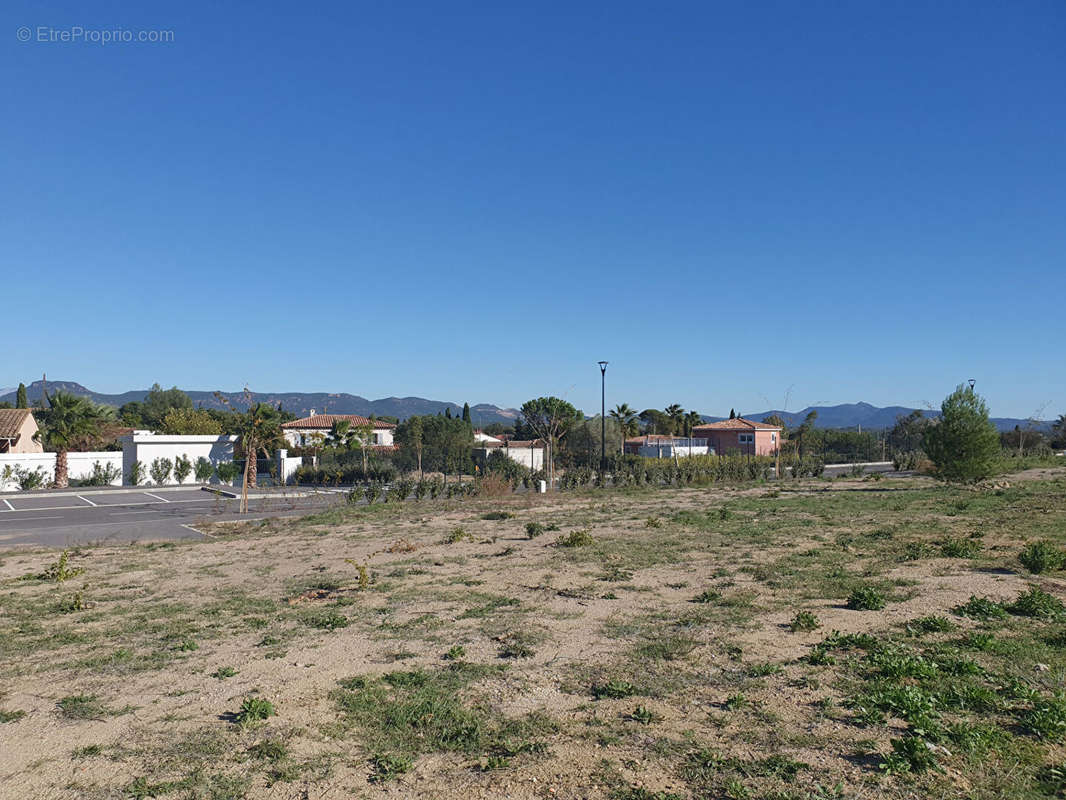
{"x": 627, "y": 423}
{"x": 340, "y": 435}
{"x": 70, "y": 421}
{"x": 676, "y": 413}
{"x": 260, "y": 432}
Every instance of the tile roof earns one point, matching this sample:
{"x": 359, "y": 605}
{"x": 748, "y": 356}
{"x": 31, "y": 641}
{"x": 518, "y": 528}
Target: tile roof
{"x": 738, "y": 424}
{"x": 325, "y": 421}
{"x": 11, "y": 420}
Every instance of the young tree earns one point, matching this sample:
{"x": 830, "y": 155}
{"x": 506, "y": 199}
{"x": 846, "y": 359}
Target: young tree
{"x": 160, "y": 470}
{"x": 69, "y": 422}
{"x": 204, "y": 469}
{"x": 20, "y": 397}
{"x": 963, "y": 444}
{"x": 182, "y": 468}
{"x": 260, "y": 432}
{"x": 551, "y": 418}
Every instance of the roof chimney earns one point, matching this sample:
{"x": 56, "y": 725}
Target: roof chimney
{"x": 312, "y": 412}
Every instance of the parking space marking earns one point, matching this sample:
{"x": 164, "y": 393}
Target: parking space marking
{"x": 90, "y": 502}
{"x": 10, "y": 507}
{"x": 146, "y": 511}
{"x": 157, "y": 497}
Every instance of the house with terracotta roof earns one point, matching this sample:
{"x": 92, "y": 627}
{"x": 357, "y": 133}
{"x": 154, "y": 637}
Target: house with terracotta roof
{"x": 304, "y": 432}
{"x": 17, "y": 431}
{"x": 740, "y": 435}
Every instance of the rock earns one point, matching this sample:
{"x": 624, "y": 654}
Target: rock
{"x": 1041, "y": 667}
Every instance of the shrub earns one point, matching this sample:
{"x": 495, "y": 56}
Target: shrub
{"x": 25, "y": 478}
{"x": 456, "y": 535}
{"x": 866, "y": 599}
{"x": 160, "y": 470}
{"x": 910, "y": 754}
{"x": 402, "y": 488}
{"x": 534, "y": 529}
{"x": 182, "y": 468}
{"x": 372, "y": 492}
{"x": 253, "y": 709}
{"x": 614, "y": 690}
{"x": 102, "y": 475}
{"x": 497, "y": 515}
{"x": 228, "y": 472}
{"x": 804, "y": 621}
{"x": 908, "y": 461}
{"x": 980, "y": 608}
{"x": 494, "y": 485}
{"x": 960, "y": 548}
{"x": 1035, "y": 602}
{"x": 385, "y": 767}
{"x": 203, "y": 469}
{"x": 578, "y": 538}
{"x": 1042, "y": 556}
{"x": 137, "y": 473}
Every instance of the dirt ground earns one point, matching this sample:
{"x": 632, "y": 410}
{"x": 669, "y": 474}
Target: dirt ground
{"x": 678, "y": 601}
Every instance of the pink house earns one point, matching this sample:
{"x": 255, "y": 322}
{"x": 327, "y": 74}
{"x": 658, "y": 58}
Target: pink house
{"x": 740, "y": 436}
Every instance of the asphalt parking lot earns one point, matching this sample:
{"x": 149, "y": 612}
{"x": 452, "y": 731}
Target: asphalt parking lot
{"x": 99, "y": 516}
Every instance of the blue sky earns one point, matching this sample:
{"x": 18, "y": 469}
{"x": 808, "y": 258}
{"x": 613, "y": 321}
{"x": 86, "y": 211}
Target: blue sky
{"x": 476, "y": 202}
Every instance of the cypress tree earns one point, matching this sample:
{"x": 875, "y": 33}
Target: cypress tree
{"x": 20, "y": 398}
{"x": 732, "y": 414}
{"x": 466, "y": 412}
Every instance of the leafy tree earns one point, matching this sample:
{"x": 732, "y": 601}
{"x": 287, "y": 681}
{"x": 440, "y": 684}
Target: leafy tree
{"x": 655, "y": 421}
{"x": 626, "y": 418}
{"x": 963, "y": 444}
{"x": 550, "y": 418}
{"x": 190, "y": 422}
{"x": 805, "y": 433}
{"x": 151, "y": 412}
{"x": 1058, "y": 432}
{"x": 410, "y": 435}
{"x": 69, "y": 423}
{"x": 907, "y": 434}
{"x": 20, "y": 397}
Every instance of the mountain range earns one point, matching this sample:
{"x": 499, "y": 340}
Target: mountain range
{"x": 848, "y": 415}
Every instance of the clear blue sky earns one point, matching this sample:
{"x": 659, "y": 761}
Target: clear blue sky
{"x": 476, "y": 202}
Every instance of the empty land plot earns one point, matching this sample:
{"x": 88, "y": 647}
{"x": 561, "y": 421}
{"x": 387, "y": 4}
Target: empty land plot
{"x": 817, "y": 639}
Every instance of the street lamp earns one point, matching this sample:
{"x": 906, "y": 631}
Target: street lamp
{"x": 603, "y": 420}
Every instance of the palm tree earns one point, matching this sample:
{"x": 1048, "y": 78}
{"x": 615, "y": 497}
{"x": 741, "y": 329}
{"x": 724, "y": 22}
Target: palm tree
{"x": 340, "y": 435}
{"x": 627, "y": 423}
{"x": 692, "y": 419}
{"x": 260, "y": 432}
{"x": 70, "y": 421}
{"x": 676, "y": 413}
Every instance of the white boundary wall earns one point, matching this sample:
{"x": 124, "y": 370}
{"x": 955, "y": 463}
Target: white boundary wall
{"x": 147, "y": 447}
{"x": 79, "y": 465}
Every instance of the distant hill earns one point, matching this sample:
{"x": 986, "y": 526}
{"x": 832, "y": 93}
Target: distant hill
{"x": 299, "y": 403}
{"x": 854, "y": 415}
{"x": 848, "y": 415}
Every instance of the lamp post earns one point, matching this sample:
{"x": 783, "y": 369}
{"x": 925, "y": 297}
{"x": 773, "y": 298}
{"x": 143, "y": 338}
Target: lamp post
{"x": 603, "y": 420}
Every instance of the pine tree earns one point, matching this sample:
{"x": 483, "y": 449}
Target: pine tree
{"x": 963, "y": 444}
{"x": 20, "y": 398}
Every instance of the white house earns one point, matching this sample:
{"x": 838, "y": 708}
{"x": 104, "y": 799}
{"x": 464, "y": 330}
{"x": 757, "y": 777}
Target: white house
{"x": 303, "y": 432}
{"x": 528, "y": 453}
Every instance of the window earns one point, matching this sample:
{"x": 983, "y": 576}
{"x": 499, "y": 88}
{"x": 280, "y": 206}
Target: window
{"x": 746, "y": 438}
{"x": 773, "y": 437}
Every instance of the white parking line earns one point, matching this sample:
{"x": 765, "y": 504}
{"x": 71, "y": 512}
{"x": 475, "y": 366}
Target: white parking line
{"x": 121, "y": 513}
{"x": 9, "y": 505}
{"x": 90, "y": 502}
{"x": 203, "y": 500}
{"x": 157, "y": 497}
